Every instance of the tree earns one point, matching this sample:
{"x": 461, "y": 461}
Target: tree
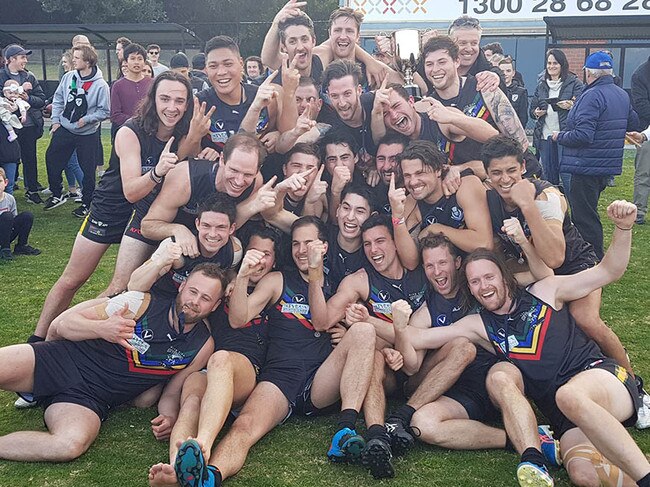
{"x": 106, "y": 11}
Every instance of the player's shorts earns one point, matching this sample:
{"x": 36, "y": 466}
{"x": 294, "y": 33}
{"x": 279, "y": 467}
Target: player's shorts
{"x": 57, "y": 379}
{"x": 103, "y": 231}
{"x": 133, "y": 229}
{"x": 470, "y": 390}
{"x": 560, "y": 424}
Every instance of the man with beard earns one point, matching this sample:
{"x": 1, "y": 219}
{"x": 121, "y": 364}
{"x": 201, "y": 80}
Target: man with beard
{"x": 463, "y": 217}
{"x": 388, "y": 149}
{"x": 105, "y": 352}
{"x": 231, "y": 373}
{"x": 543, "y": 213}
{"x": 302, "y": 373}
{"x": 585, "y": 395}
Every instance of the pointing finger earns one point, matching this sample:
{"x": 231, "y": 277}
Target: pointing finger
{"x": 391, "y": 187}
{"x": 271, "y": 77}
{"x": 168, "y": 145}
{"x": 269, "y": 184}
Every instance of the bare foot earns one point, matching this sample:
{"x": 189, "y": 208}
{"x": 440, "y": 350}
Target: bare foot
{"x": 162, "y": 475}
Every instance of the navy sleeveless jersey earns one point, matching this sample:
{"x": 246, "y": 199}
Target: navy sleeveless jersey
{"x": 293, "y": 341}
{"x": 339, "y": 263}
{"x": 579, "y": 254}
{"x": 226, "y": 119}
{"x": 117, "y": 375}
{"x": 383, "y": 291}
{"x": 544, "y": 344}
{"x": 445, "y": 211}
{"x": 109, "y": 202}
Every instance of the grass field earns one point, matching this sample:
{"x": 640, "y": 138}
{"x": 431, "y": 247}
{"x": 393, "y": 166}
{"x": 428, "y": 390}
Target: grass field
{"x": 291, "y": 455}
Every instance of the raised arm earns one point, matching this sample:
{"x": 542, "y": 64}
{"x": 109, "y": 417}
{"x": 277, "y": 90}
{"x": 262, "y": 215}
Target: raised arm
{"x": 267, "y": 290}
{"x": 167, "y": 255}
{"x": 271, "y": 48}
{"x": 406, "y": 248}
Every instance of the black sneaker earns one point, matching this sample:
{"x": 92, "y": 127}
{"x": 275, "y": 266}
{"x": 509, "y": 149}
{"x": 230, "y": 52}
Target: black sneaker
{"x": 33, "y": 197}
{"x": 5, "y": 254}
{"x": 53, "y": 202}
{"x": 26, "y": 250}
{"x": 400, "y": 434}
{"x": 81, "y": 212}
{"x": 377, "y": 457}
{"x": 40, "y": 187}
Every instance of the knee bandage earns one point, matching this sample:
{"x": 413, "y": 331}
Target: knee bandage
{"x": 609, "y": 475}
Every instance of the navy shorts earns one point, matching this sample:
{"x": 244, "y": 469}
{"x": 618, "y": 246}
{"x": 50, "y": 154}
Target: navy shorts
{"x": 470, "y": 390}
{"x": 57, "y": 379}
{"x": 103, "y": 231}
{"x": 133, "y": 229}
{"x": 561, "y": 424}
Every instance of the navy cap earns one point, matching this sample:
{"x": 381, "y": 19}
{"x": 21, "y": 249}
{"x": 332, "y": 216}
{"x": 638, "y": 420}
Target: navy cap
{"x": 179, "y": 60}
{"x": 15, "y": 50}
{"x": 599, "y": 60}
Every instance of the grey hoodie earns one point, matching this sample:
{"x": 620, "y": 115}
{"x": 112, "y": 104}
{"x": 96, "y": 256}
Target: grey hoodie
{"x": 97, "y": 98}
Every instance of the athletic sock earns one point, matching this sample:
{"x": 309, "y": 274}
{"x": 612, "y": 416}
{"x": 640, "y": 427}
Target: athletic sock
{"x": 534, "y": 456}
{"x": 644, "y": 482}
{"x": 403, "y": 413}
{"x": 348, "y": 419}
{"x": 377, "y": 431}
{"x": 35, "y": 339}
{"x": 218, "y": 479}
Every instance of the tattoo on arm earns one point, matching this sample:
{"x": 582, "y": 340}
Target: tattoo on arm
{"x": 505, "y": 116}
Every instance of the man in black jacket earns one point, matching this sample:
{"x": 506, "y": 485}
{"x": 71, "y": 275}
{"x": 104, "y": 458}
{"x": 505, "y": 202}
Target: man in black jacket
{"x": 641, "y": 103}
{"x": 516, "y": 92}
{"x": 16, "y": 58}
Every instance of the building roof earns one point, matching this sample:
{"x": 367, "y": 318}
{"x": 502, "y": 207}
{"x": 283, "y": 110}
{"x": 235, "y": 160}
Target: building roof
{"x": 612, "y": 27}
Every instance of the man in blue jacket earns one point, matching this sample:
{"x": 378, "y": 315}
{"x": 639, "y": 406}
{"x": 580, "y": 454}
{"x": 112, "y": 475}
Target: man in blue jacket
{"x": 593, "y": 142}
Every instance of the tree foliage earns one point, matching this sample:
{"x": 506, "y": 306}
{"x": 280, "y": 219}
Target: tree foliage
{"x": 106, "y": 11}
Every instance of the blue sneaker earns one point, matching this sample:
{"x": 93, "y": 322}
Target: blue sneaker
{"x": 550, "y": 446}
{"x": 190, "y": 467}
{"x": 346, "y": 446}
{"x": 531, "y": 475}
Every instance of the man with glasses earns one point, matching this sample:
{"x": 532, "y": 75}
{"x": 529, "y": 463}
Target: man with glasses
{"x": 153, "y": 54}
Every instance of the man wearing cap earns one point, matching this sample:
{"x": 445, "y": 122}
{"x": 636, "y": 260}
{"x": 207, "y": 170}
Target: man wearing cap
{"x": 593, "y": 144}
{"x": 198, "y": 67}
{"x": 181, "y": 65}
{"x": 16, "y": 59}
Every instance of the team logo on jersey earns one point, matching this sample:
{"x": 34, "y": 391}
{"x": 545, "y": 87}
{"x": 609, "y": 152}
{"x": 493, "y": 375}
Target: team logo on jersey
{"x": 457, "y": 214}
{"x": 441, "y": 320}
{"x": 147, "y": 335}
{"x": 296, "y": 306}
{"x": 387, "y": 209}
{"x": 299, "y": 298}
{"x": 431, "y": 219}
{"x": 515, "y": 97}
{"x": 219, "y": 124}
{"x": 384, "y": 295}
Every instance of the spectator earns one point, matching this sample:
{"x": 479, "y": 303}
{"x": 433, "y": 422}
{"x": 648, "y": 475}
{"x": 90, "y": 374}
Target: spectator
{"x": 181, "y": 65}
{"x": 517, "y": 94}
{"x": 120, "y": 44}
{"x": 16, "y": 59}
{"x": 198, "y": 67}
{"x": 81, "y": 102}
{"x": 491, "y": 49}
{"x": 127, "y": 92}
{"x": 593, "y": 141}
{"x": 9, "y": 147}
{"x": 147, "y": 69}
{"x": 255, "y": 72}
{"x": 153, "y": 51}
{"x": 641, "y": 103}
{"x": 13, "y": 224}
{"x": 554, "y": 96}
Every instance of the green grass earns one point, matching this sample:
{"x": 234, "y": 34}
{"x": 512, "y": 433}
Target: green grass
{"x": 293, "y": 454}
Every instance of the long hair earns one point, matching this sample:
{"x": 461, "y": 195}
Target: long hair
{"x": 560, "y": 57}
{"x": 484, "y": 254}
{"x": 147, "y": 116}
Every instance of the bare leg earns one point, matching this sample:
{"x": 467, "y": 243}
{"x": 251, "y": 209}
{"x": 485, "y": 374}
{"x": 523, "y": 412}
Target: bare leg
{"x": 374, "y": 405}
{"x": 132, "y": 254}
{"x": 231, "y": 379}
{"x": 506, "y": 388}
{"x": 346, "y": 372}
{"x": 596, "y": 401}
{"x": 187, "y": 423}
{"x": 263, "y": 410}
{"x": 586, "y": 312}
{"x": 445, "y": 423}
{"x": 17, "y": 372}
{"x": 448, "y": 364}
{"x": 71, "y": 431}
{"x": 83, "y": 261}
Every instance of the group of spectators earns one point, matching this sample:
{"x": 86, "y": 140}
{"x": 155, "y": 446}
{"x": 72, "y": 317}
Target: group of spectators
{"x": 314, "y": 238}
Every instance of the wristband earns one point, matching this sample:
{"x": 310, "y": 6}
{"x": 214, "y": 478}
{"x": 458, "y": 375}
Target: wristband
{"x": 315, "y": 274}
{"x": 624, "y": 229}
{"x": 155, "y": 178}
{"x": 398, "y": 221}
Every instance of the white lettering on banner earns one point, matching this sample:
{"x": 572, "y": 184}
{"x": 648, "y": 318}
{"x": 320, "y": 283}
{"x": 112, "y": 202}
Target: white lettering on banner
{"x": 441, "y": 10}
